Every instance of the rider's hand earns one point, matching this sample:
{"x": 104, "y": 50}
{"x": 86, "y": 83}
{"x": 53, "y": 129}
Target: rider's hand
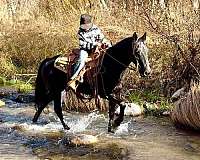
{"x": 104, "y": 46}
{"x": 99, "y": 44}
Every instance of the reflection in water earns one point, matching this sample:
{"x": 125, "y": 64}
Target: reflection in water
{"x": 138, "y": 139}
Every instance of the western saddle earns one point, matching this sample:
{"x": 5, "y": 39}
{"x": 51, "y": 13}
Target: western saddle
{"x": 92, "y": 67}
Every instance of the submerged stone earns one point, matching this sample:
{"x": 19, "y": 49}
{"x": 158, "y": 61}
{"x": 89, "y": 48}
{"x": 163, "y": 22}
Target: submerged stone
{"x": 80, "y": 139}
{"x": 131, "y": 109}
{"x": 2, "y": 103}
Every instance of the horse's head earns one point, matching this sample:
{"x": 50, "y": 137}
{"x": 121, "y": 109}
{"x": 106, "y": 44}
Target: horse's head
{"x": 140, "y": 54}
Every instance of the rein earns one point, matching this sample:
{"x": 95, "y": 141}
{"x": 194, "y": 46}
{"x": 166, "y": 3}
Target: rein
{"x": 131, "y": 68}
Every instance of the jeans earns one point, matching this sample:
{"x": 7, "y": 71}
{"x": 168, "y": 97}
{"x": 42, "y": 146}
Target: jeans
{"x": 80, "y": 63}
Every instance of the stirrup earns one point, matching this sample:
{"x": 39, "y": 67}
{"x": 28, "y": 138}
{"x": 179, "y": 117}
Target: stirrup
{"x": 72, "y": 85}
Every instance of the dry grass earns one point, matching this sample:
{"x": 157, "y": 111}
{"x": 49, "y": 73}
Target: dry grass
{"x": 7, "y": 68}
{"x": 33, "y": 30}
{"x": 187, "y": 109}
{"x": 72, "y": 103}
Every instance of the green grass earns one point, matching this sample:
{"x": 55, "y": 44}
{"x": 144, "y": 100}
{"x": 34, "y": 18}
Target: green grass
{"x": 152, "y": 101}
{"x": 23, "y": 87}
{"x": 145, "y": 95}
{"x": 20, "y": 85}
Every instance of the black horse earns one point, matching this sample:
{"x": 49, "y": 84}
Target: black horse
{"x": 50, "y": 81}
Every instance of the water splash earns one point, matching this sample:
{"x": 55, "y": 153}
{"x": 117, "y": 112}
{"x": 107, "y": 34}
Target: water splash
{"x": 123, "y": 129}
{"x": 82, "y": 123}
{"x": 20, "y": 120}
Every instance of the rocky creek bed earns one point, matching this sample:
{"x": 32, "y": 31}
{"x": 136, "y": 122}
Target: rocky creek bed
{"x": 138, "y": 138}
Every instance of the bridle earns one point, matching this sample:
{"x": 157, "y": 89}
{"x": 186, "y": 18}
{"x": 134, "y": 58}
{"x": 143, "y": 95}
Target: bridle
{"x": 124, "y": 65}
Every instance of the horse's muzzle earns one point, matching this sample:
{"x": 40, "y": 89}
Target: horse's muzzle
{"x": 147, "y": 73}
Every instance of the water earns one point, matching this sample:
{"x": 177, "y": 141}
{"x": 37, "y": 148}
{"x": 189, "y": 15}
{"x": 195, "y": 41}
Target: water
{"x": 138, "y": 138}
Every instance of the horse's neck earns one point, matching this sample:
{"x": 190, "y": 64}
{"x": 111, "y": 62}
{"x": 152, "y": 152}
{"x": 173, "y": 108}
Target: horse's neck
{"x": 120, "y": 62}
{"x": 116, "y": 61}
{"x": 120, "y": 56}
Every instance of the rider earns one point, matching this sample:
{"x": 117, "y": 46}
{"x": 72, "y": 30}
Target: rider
{"x": 89, "y": 36}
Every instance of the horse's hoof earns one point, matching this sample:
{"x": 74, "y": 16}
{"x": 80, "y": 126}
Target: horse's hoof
{"x": 66, "y": 128}
{"x": 34, "y": 121}
{"x": 110, "y": 130}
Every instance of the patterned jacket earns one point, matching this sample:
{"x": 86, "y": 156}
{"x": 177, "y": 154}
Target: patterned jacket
{"x": 89, "y": 39}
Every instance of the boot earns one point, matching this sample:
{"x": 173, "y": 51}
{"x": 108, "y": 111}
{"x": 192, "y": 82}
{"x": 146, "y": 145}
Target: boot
{"x": 72, "y": 84}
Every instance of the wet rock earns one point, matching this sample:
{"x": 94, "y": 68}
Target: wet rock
{"x": 80, "y": 139}
{"x": 12, "y": 94}
{"x": 18, "y": 128}
{"x": 2, "y": 103}
{"x": 178, "y": 94}
{"x": 166, "y": 113}
{"x": 131, "y": 109}
{"x": 24, "y": 98}
{"x": 84, "y": 139}
{"x": 190, "y": 147}
{"x": 6, "y": 92}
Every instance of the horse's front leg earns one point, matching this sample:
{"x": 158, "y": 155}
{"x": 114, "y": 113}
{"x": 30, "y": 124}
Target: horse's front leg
{"x": 112, "y": 109}
{"x": 119, "y": 118}
{"x": 115, "y": 120}
{"x": 58, "y": 110}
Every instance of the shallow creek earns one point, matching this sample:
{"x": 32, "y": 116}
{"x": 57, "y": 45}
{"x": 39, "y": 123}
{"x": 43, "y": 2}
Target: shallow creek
{"x": 140, "y": 138}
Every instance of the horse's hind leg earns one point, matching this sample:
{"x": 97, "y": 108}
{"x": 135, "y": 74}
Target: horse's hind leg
{"x": 38, "y": 112}
{"x": 40, "y": 108}
{"x": 58, "y": 110}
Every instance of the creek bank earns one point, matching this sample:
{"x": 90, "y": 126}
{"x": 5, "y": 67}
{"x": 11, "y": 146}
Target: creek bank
{"x": 11, "y": 93}
{"x": 132, "y": 109}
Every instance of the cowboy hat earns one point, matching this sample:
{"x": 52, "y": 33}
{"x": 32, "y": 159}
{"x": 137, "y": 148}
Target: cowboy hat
{"x": 85, "y": 21}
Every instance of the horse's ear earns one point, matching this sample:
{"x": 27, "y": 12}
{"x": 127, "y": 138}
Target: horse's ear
{"x": 135, "y": 37}
{"x": 143, "y": 38}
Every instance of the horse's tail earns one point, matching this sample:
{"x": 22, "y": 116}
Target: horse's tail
{"x": 40, "y": 89}
{"x": 41, "y": 83}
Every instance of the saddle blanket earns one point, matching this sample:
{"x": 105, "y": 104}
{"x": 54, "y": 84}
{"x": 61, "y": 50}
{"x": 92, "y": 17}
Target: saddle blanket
{"x": 65, "y": 62}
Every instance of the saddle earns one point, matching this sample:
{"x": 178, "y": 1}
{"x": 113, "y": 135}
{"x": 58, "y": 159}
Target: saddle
{"x": 65, "y": 63}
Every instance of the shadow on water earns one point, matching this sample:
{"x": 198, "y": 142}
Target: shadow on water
{"x": 137, "y": 138}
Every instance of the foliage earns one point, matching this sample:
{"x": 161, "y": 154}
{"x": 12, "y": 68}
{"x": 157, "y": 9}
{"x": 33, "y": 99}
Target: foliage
{"x": 23, "y": 87}
{"x": 2, "y": 80}
{"x": 145, "y": 95}
{"x": 20, "y": 86}
{"x": 151, "y": 100}
{"x": 7, "y": 68}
